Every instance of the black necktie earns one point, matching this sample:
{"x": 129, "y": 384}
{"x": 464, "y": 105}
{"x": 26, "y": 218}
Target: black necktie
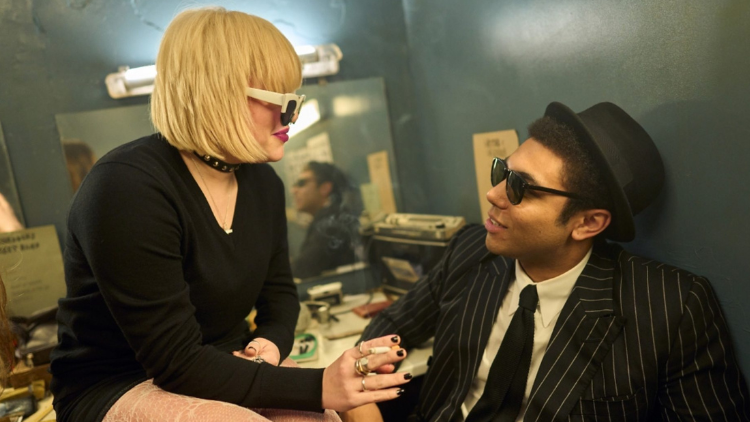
{"x": 506, "y": 382}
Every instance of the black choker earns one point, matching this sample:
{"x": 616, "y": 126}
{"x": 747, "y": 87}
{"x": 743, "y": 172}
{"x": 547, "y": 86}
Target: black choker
{"x": 217, "y": 164}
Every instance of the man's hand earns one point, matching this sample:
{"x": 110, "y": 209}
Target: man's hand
{"x": 367, "y": 413}
{"x": 260, "y": 347}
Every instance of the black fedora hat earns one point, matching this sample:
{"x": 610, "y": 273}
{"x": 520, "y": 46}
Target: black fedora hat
{"x": 631, "y": 164}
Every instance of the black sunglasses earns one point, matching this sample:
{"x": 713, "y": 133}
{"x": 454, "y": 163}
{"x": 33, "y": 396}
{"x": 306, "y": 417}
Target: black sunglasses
{"x": 516, "y": 186}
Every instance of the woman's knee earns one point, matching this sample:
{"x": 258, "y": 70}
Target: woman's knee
{"x": 148, "y": 403}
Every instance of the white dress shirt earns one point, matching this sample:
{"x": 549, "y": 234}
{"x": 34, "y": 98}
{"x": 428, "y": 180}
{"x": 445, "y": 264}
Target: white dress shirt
{"x": 552, "y": 296}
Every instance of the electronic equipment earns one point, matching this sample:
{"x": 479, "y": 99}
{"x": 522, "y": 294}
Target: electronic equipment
{"x": 403, "y": 262}
{"x": 419, "y": 226}
{"x": 330, "y": 293}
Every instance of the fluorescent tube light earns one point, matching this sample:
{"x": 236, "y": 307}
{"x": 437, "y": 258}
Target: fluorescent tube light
{"x": 317, "y": 61}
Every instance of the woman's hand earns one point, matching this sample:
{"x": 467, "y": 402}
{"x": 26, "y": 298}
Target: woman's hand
{"x": 344, "y": 388}
{"x": 263, "y": 348}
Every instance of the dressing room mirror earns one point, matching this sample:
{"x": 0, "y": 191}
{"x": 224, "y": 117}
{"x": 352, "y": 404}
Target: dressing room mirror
{"x": 88, "y": 135}
{"x": 339, "y": 174}
{"x": 338, "y": 168}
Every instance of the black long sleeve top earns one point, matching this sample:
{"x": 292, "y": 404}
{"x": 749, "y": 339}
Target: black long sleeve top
{"x": 157, "y": 289}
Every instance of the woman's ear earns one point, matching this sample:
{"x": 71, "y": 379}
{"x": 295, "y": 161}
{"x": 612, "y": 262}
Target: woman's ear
{"x": 590, "y": 223}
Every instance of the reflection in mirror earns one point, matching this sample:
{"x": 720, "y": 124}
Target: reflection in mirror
{"x": 341, "y": 144}
{"x": 338, "y": 175}
{"x": 79, "y": 158}
{"x": 87, "y": 136}
{"x": 11, "y": 215}
{"x": 324, "y": 194}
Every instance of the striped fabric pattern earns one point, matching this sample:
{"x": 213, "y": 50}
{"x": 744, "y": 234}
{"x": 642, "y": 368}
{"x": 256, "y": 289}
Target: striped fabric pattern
{"x": 636, "y": 341}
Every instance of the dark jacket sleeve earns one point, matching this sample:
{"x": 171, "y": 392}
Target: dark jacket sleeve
{"x": 278, "y": 303}
{"x": 414, "y": 316}
{"x": 314, "y": 257}
{"x": 703, "y": 379}
{"x": 130, "y": 232}
{"x": 329, "y": 243}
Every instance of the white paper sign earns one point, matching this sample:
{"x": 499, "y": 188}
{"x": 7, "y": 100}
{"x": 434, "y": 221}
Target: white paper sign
{"x": 32, "y": 268}
{"x": 487, "y": 146}
{"x": 318, "y": 148}
{"x": 380, "y": 176}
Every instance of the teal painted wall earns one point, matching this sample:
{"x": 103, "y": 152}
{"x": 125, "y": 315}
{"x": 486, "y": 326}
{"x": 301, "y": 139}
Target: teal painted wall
{"x": 54, "y": 55}
{"x": 682, "y": 69}
{"x": 451, "y": 69}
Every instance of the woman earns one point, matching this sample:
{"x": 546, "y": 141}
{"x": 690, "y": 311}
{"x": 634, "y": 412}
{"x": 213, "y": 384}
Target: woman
{"x": 171, "y": 242}
{"x": 79, "y": 158}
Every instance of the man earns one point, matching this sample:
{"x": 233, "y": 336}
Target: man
{"x": 323, "y": 191}
{"x": 611, "y": 336}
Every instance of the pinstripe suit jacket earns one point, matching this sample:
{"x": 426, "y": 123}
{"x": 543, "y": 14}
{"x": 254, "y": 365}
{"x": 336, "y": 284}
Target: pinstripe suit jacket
{"x": 636, "y": 340}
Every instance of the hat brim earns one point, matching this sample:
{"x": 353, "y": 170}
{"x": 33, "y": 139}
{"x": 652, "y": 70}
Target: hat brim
{"x": 622, "y": 226}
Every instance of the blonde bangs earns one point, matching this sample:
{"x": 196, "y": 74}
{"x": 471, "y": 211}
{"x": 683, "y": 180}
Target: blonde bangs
{"x": 273, "y": 64}
{"x": 206, "y": 59}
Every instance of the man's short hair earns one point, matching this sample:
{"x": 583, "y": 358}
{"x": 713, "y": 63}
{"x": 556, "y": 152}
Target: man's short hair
{"x": 580, "y": 174}
{"x": 207, "y": 58}
{"x": 344, "y": 195}
{"x": 328, "y": 173}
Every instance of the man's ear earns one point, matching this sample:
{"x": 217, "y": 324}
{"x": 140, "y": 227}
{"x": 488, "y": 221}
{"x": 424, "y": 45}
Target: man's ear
{"x": 590, "y": 223}
{"x": 325, "y": 188}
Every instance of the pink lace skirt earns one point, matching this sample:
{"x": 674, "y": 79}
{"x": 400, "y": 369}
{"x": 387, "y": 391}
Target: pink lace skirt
{"x": 148, "y": 403}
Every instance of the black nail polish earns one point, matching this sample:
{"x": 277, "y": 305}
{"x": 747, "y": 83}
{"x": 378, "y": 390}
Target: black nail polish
{"x": 394, "y": 339}
{"x": 400, "y": 353}
{"x": 400, "y": 391}
{"x": 407, "y": 376}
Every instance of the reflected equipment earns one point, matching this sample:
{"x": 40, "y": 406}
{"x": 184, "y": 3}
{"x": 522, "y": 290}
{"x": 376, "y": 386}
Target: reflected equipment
{"x": 330, "y": 293}
{"x": 419, "y": 226}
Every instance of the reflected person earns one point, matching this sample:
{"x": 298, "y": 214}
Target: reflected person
{"x": 323, "y": 191}
{"x": 79, "y": 158}
{"x": 173, "y": 238}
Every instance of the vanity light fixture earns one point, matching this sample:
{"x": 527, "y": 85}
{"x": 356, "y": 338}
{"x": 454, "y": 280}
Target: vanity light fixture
{"x": 317, "y": 61}
{"x": 127, "y": 82}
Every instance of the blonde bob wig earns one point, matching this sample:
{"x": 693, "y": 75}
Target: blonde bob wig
{"x": 206, "y": 59}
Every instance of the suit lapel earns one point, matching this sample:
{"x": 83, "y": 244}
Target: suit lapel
{"x": 582, "y": 337}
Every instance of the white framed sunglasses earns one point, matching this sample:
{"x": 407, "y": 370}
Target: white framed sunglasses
{"x": 290, "y": 103}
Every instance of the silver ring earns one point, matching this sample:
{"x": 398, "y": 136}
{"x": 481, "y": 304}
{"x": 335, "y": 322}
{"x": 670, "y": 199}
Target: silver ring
{"x": 364, "y": 388}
